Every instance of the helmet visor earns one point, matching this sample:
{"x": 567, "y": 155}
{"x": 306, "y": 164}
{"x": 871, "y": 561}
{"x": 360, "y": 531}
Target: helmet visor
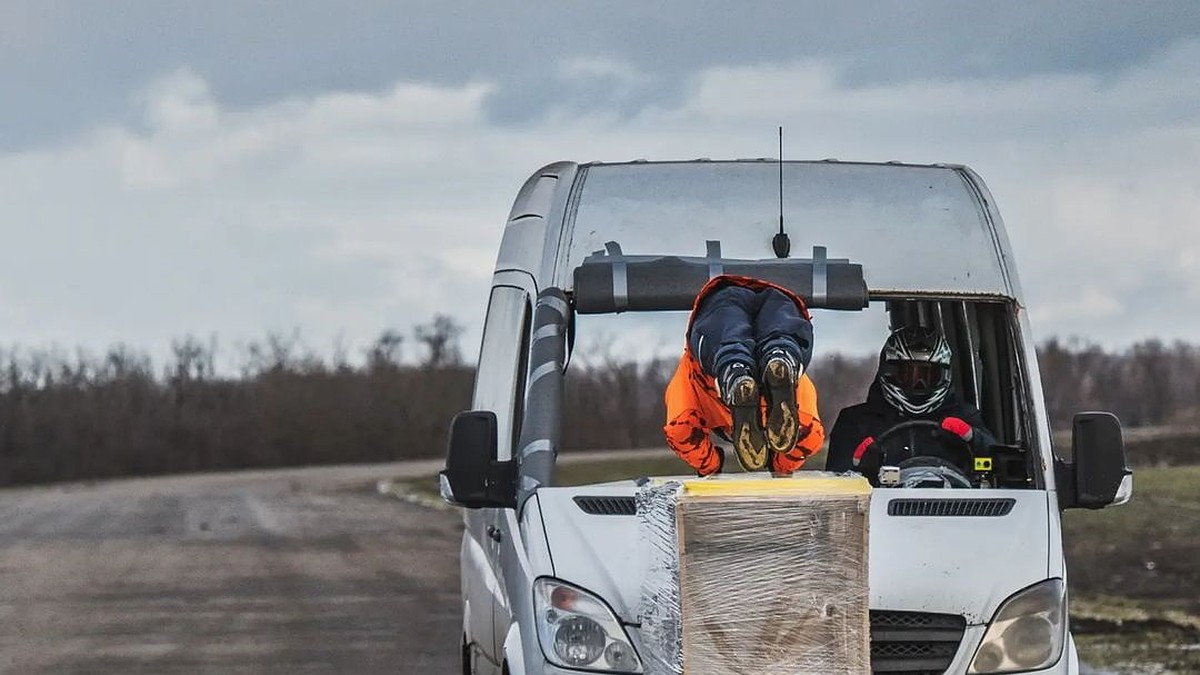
{"x": 917, "y": 376}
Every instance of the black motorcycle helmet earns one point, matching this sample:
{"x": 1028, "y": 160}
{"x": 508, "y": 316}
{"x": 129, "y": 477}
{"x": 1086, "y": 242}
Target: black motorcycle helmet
{"x": 914, "y": 370}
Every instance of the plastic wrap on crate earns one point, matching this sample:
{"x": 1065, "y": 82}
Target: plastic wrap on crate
{"x": 659, "y": 611}
{"x": 755, "y": 575}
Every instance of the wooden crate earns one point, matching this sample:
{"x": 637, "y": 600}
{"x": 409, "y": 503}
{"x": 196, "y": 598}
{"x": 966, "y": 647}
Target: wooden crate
{"x": 773, "y": 577}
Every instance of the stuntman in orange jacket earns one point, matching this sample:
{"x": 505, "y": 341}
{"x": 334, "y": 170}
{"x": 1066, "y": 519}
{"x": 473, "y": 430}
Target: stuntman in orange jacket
{"x": 695, "y": 409}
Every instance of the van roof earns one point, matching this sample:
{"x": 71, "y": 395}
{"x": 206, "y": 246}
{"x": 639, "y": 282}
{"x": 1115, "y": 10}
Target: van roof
{"x": 916, "y": 229}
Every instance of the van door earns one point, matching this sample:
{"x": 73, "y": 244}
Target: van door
{"x": 499, "y": 387}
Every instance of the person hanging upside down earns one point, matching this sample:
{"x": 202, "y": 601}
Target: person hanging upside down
{"x": 742, "y": 376}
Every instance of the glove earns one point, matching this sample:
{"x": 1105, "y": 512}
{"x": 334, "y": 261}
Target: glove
{"x": 959, "y": 428}
{"x": 867, "y": 451}
{"x": 720, "y": 462}
{"x": 862, "y": 449}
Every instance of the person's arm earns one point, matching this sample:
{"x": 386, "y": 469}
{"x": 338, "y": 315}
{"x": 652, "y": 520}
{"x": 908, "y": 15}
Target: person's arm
{"x": 844, "y": 438}
{"x": 686, "y": 432}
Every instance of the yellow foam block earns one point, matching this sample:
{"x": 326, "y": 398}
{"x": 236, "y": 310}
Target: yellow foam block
{"x": 793, "y": 485}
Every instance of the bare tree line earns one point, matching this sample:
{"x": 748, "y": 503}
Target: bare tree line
{"x": 66, "y": 417}
{"x": 72, "y": 417}
{"x": 618, "y": 403}
{"x": 1150, "y": 383}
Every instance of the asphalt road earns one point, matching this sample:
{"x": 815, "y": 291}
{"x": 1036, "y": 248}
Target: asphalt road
{"x": 270, "y": 572}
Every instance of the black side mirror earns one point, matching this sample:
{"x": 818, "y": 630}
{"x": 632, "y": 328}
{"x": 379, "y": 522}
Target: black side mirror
{"x": 473, "y": 477}
{"x": 1099, "y": 475}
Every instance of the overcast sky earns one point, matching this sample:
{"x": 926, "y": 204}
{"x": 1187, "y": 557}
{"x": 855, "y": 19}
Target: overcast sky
{"x": 234, "y": 168}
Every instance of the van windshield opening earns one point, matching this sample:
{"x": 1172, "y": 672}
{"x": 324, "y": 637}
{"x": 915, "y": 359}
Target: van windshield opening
{"x": 614, "y": 411}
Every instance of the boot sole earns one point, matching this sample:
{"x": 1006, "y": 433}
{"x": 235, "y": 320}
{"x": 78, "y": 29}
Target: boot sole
{"x": 748, "y": 442}
{"x": 782, "y": 425}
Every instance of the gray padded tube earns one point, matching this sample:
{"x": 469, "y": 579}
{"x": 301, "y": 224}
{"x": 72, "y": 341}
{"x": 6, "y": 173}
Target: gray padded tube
{"x": 540, "y": 428}
{"x": 608, "y": 282}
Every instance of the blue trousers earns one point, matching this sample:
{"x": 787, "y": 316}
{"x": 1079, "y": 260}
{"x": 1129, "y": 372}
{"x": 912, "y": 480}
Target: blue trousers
{"x": 738, "y": 324}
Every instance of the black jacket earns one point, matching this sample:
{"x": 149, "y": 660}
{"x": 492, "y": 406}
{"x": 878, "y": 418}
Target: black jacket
{"x": 876, "y": 416}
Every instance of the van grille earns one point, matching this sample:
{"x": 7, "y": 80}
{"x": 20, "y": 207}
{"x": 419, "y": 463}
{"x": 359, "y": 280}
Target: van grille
{"x": 914, "y": 643}
{"x": 607, "y": 506}
{"x": 951, "y": 507}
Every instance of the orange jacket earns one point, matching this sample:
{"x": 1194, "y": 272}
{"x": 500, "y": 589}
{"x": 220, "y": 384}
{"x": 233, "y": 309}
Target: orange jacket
{"x": 695, "y": 410}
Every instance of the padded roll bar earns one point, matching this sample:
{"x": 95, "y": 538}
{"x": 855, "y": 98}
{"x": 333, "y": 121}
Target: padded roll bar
{"x": 542, "y": 425}
{"x": 609, "y": 281}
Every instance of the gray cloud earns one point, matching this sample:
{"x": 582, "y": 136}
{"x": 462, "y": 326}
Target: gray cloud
{"x": 241, "y": 167}
{"x": 75, "y": 65}
{"x": 349, "y": 211}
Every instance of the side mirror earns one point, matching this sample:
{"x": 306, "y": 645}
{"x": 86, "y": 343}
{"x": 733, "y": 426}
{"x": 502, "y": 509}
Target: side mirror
{"x": 472, "y": 477}
{"x": 1099, "y": 475}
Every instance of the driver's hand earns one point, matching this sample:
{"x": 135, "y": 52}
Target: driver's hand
{"x": 866, "y": 455}
{"x": 958, "y": 427}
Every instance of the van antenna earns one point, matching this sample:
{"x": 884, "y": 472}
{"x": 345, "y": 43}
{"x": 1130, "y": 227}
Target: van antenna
{"x": 780, "y": 242}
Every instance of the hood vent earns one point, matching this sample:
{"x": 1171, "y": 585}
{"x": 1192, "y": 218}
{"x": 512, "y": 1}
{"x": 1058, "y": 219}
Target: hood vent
{"x": 951, "y": 507}
{"x": 607, "y": 506}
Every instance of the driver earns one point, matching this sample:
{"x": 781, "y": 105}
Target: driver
{"x": 913, "y": 383}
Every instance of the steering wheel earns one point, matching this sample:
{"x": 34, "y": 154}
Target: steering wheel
{"x": 950, "y": 441}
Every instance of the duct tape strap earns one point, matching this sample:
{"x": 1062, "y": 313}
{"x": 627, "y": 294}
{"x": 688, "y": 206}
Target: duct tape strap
{"x": 540, "y": 445}
{"x": 820, "y": 272}
{"x": 715, "y": 267}
{"x": 542, "y": 371}
{"x": 550, "y": 330}
{"x": 620, "y": 276}
{"x": 554, "y": 303}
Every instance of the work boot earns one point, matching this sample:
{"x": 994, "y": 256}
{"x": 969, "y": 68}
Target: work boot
{"x": 780, "y": 372}
{"x": 739, "y": 391}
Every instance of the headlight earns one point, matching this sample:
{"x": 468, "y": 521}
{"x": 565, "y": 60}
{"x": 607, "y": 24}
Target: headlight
{"x": 577, "y": 630}
{"x": 1027, "y": 632}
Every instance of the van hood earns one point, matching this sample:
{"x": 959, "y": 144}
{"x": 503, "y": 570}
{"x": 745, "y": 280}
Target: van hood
{"x": 599, "y": 553}
{"x": 954, "y": 564}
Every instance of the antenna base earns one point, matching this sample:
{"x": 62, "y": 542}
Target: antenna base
{"x": 782, "y": 245}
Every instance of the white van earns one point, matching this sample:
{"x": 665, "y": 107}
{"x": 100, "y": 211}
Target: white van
{"x": 960, "y": 581}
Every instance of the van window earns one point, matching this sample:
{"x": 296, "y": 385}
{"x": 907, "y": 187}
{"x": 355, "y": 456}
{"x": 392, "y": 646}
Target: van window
{"x": 882, "y": 217}
{"x": 500, "y": 378}
{"x": 622, "y": 363}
